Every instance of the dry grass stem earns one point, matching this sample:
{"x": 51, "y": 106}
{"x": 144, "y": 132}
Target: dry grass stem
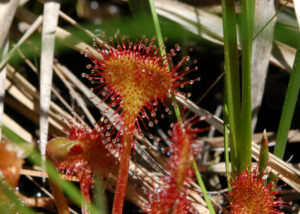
{"x": 2, "y": 82}
{"x": 7, "y": 13}
{"x": 36, "y": 24}
{"x": 50, "y": 20}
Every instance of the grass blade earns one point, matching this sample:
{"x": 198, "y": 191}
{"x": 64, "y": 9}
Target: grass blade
{"x": 246, "y": 26}
{"x": 226, "y": 145}
{"x": 176, "y": 108}
{"x": 232, "y": 77}
{"x": 202, "y": 186}
{"x": 288, "y": 108}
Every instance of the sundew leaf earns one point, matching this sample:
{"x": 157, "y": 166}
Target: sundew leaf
{"x": 35, "y": 158}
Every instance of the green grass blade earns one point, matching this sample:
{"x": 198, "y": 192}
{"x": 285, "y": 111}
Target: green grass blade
{"x": 176, "y": 108}
{"x": 11, "y": 135}
{"x": 232, "y": 77}
{"x": 202, "y": 186}
{"x": 226, "y": 144}
{"x": 246, "y": 26}
{"x": 157, "y": 27}
{"x": 288, "y": 108}
{"x": 163, "y": 51}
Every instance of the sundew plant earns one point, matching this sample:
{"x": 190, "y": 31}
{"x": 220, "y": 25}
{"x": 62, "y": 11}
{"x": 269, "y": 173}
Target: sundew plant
{"x": 149, "y": 106}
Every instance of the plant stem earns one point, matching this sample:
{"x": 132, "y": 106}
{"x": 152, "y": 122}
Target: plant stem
{"x": 226, "y": 145}
{"x": 157, "y": 27}
{"x": 246, "y": 26}
{"x": 176, "y": 108}
{"x": 288, "y": 108}
{"x": 59, "y": 199}
{"x": 177, "y": 111}
{"x": 163, "y": 52}
{"x": 202, "y": 186}
{"x": 232, "y": 77}
{"x": 122, "y": 178}
{"x": 66, "y": 186}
